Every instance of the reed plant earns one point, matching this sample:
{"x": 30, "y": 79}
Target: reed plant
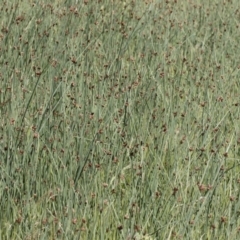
{"x": 119, "y": 119}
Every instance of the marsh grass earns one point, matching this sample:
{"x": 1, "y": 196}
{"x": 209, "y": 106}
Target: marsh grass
{"x": 119, "y": 120}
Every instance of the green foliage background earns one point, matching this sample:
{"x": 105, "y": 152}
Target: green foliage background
{"x": 119, "y": 119}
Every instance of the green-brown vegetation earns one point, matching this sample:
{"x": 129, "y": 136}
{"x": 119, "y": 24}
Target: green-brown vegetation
{"x": 119, "y": 119}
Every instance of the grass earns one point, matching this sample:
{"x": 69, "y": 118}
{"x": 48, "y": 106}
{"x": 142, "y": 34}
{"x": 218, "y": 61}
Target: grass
{"x": 119, "y": 120}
